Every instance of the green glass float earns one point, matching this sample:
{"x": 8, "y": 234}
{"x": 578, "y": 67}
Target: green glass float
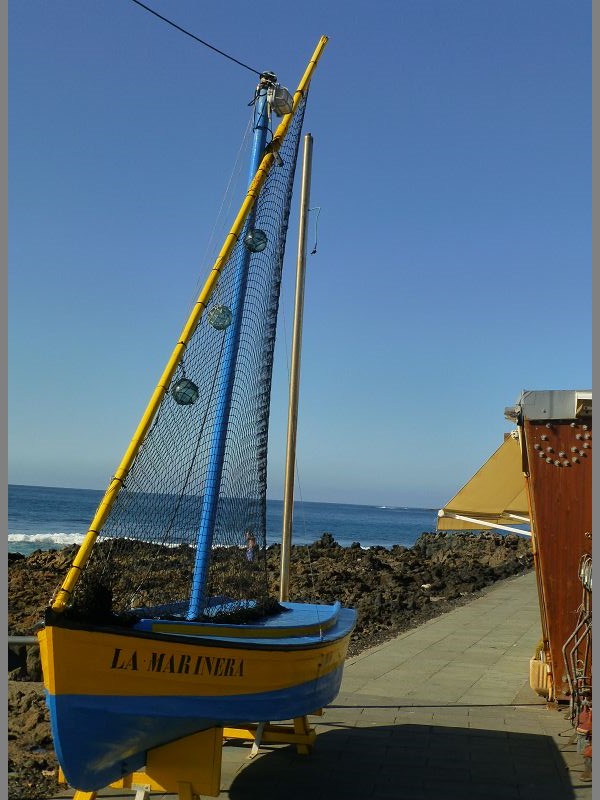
{"x": 219, "y": 317}
{"x": 256, "y": 240}
{"x": 185, "y": 392}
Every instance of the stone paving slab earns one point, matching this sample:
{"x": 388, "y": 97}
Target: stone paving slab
{"x": 442, "y": 712}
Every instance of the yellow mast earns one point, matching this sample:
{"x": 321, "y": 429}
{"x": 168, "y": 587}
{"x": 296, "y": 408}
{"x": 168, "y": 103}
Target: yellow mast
{"x": 63, "y": 594}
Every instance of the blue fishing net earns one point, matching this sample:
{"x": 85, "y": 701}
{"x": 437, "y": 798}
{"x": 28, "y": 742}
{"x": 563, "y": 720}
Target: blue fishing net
{"x": 165, "y": 541}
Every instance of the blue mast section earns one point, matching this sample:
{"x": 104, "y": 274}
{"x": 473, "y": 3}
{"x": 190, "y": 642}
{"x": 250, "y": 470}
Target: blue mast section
{"x": 226, "y": 379}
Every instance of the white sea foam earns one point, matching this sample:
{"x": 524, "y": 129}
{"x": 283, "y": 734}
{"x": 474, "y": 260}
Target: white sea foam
{"x": 58, "y": 539}
{"x": 48, "y": 540}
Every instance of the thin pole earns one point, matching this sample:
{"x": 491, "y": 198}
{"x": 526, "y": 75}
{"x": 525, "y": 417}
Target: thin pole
{"x": 63, "y": 595}
{"x": 478, "y": 522}
{"x": 290, "y": 462}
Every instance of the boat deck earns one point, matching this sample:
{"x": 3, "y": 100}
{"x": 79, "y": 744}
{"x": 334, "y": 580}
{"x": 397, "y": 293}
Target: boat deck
{"x": 301, "y": 623}
{"x": 443, "y": 711}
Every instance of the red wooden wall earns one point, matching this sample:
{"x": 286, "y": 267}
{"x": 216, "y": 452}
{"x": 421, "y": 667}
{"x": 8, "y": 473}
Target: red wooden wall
{"x": 559, "y": 456}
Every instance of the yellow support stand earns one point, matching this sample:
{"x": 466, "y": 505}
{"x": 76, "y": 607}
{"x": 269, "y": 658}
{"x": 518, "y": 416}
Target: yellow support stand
{"x": 300, "y": 734}
{"x": 198, "y": 758}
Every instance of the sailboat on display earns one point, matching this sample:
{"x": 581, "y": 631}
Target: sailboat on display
{"x": 133, "y": 663}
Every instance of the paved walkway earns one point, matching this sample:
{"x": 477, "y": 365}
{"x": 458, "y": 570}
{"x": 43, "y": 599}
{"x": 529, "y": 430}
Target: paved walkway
{"x": 442, "y": 712}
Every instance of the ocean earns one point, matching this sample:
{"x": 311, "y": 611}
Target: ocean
{"x": 45, "y": 518}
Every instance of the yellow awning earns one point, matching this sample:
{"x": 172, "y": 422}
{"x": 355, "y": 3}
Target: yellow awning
{"x": 494, "y": 497}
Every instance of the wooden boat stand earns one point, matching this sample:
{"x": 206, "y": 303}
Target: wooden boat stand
{"x": 191, "y": 767}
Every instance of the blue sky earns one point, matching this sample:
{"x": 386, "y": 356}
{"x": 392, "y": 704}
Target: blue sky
{"x": 452, "y": 167}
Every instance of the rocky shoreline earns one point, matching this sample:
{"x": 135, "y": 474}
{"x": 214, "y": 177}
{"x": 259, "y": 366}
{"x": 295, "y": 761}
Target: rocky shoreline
{"x": 392, "y": 590}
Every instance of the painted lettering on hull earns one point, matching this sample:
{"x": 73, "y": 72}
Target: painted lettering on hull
{"x": 124, "y": 659}
{"x": 179, "y": 664}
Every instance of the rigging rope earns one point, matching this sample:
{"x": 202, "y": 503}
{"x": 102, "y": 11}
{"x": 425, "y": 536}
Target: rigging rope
{"x": 219, "y": 225}
{"x": 188, "y": 33}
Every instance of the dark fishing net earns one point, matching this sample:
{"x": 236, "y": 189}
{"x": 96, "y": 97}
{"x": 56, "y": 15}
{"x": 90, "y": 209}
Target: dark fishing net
{"x": 153, "y": 528}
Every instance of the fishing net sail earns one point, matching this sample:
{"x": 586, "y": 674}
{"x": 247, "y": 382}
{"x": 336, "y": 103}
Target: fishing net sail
{"x": 186, "y": 535}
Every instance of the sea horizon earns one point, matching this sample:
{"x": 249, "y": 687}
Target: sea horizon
{"x": 274, "y": 499}
{"x": 51, "y": 517}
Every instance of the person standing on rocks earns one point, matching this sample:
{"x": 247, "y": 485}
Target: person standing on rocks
{"x": 251, "y": 545}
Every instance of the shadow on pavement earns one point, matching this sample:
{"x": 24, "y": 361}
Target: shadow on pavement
{"x": 419, "y": 762}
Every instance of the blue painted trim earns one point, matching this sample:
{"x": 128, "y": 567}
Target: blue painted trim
{"x": 345, "y": 622}
{"x": 292, "y": 622}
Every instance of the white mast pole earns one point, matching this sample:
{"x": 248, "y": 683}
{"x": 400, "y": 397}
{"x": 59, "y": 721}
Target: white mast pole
{"x": 290, "y": 463}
